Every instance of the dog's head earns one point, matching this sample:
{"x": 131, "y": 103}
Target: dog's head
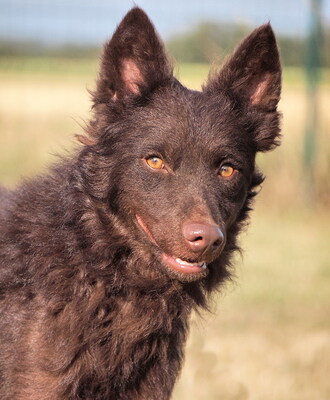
{"x": 177, "y": 167}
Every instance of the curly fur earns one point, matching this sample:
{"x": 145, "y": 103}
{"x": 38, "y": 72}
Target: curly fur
{"x": 88, "y": 308}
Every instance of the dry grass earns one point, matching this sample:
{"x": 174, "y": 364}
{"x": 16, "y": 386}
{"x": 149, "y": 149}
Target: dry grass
{"x": 269, "y": 338}
{"x": 38, "y": 118}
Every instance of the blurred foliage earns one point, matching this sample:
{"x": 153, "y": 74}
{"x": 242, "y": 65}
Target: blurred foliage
{"x": 207, "y": 41}
{"x": 37, "y": 49}
{"x": 201, "y": 44}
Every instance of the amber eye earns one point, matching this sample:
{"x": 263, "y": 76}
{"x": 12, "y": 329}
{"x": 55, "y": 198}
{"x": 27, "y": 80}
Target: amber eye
{"x": 155, "y": 162}
{"x": 226, "y": 171}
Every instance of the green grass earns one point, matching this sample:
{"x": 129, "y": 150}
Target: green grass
{"x": 48, "y": 66}
{"x": 189, "y": 72}
{"x": 269, "y": 336}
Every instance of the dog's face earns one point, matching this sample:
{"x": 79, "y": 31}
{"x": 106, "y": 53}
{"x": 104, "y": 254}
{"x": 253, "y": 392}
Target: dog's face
{"x": 178, "y": 166}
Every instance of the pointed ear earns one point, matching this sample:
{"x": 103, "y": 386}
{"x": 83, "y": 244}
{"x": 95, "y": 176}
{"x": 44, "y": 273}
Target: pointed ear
{"x": 253, "y": 72}
{"x": 252, "y": 76}
{"x": 133, "y": 62}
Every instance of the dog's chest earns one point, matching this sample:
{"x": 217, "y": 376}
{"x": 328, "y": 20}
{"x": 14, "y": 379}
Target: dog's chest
{"x": 122, "y": 343}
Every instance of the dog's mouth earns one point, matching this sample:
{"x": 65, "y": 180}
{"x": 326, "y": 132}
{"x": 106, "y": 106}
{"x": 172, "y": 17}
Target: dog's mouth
{"x": 175, "y": 264}
{"x": 179, "y": 265}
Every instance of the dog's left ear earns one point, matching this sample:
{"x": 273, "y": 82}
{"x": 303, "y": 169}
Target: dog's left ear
{"x": 252, "y": 76}
{"x": 133, "y": 61}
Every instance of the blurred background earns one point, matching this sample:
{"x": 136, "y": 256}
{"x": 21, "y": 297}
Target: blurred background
{"x": 268, "y": 337}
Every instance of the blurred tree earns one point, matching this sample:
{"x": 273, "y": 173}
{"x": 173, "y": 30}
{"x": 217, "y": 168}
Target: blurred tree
{"x": 206, "y": 41}
{"x": 209, "y": 40}
{"x": 202, "y": 44}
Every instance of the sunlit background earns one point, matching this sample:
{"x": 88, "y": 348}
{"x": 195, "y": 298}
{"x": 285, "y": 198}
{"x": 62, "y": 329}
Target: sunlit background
{"x": 269, "y": 336}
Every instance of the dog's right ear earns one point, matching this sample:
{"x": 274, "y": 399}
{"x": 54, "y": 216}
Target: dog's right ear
{"x": 133, "y": 61}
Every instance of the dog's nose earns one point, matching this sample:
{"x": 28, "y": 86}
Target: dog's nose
{"x": 201, "y": 236}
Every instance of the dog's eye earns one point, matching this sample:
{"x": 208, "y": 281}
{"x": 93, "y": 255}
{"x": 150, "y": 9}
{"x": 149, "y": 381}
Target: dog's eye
{"x": 226, "y": 171}
{"x": 155, "y": 162}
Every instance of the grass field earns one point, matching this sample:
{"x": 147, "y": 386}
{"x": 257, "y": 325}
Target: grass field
{"x": 269, "y": 335}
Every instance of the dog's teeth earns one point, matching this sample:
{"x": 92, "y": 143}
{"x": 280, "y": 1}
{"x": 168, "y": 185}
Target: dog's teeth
{"x": 188, "y": 264}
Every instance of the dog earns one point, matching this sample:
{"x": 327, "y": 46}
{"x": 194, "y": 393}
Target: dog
{"x": 103, "y": 259}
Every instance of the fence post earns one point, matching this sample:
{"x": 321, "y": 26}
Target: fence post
{"x": 313, "y": 64}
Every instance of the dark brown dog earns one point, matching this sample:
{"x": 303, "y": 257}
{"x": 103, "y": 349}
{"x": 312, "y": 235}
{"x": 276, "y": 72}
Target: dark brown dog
{"x": 103, "y": 259}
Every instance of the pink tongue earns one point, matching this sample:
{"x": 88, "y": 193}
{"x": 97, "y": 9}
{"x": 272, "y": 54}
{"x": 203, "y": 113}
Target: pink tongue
{"x": 182, "y": 267}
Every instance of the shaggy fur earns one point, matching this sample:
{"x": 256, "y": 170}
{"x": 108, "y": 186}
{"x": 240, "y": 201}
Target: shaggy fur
{"x": 91, "y": 306}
